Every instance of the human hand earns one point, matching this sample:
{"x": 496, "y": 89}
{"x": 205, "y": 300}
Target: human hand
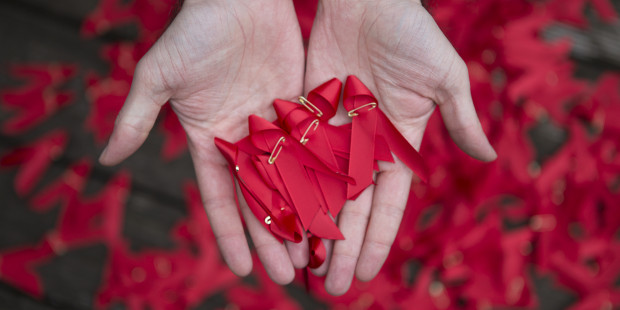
{"x": 396, "y": 49}
{"x": 218, "y": 62}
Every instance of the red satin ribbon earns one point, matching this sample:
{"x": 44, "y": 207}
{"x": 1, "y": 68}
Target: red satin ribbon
{"x": 292, "y": 172}
{"x": 307, "y": 123}
{"x": 261, "y": 195}
{"x": 325, "y": 97}
{"x": 290, "y": 159}
{"x": 372, "y": 133}
{"x": 310, "y": 129}
{"x": 312, "y": 132}
{"x": 318, "y": 253}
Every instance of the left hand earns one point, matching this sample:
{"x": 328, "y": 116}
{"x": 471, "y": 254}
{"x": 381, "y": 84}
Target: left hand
{"x": 397, "y": 50}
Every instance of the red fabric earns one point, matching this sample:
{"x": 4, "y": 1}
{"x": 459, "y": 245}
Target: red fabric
{"x": 39, "y": 99}
{"x": 289, "y": 175}
{"x": 371, "y": 133}
{"x": 34, "y": 159}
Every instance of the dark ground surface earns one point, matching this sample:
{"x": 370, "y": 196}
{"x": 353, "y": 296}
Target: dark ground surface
{"x": 48, "y": 31}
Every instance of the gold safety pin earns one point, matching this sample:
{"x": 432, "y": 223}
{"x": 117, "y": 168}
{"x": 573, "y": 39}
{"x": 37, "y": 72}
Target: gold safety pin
{"x": 311, "y": 107}
{"x": 268, "y": 218}
{"x": 314, "y": 123}
{"x": 274, "y": 153}
{"x": 353, "y": 112}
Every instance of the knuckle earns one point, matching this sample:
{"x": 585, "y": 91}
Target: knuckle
{"x": 131, "y": 130}
{"x": 222, "y": 237}
{"x": 263, "y": 246}
{"x": 216, "y": 203}
{"x": 458, "y": 72}
{"x": 150, "y": 75}
{"x": 391, "y": 210}
{"x": 462, "y": 74}
{"x": 459, "y": 65}
{"x": 455, "y": 84}
{"x": 355, "y": 214}
{"x": 347, "y": 255}
{"x": 379, "y": 245}
{"x": 134, "y": 128}
{"x": 143, "y": 69}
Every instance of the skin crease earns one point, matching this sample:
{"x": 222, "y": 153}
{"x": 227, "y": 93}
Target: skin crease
{"x": 220, "y": 61}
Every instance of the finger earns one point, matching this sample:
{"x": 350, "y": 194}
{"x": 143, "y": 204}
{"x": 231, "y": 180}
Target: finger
{"x": 271, "y": 252}
{"x": 136, "y": 118}
{"x": 218, "y": 196}
{"x": 459, "y": 115}
{"x": 388, "y": 205}
{"x": 352, "y": 221}
{"x": 299, "y": 252}
{"x": 322, "y": 270}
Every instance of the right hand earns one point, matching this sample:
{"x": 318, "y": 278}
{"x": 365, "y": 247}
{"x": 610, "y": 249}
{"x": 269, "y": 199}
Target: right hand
{"x": 218, "y": 62}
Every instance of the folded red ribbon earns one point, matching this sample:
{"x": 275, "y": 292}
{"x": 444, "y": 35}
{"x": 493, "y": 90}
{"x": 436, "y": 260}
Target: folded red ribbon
{"x": 259, "y": 192}
{"x": 293, "y": 172}
{"x": 372, "y": 132}
{"x": 287, "y": 164}
{"x": 307, "y": 123}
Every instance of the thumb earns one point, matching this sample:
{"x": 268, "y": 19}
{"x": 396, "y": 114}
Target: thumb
{"x": 459, "y": 115}
{"x": 137, "y": 117}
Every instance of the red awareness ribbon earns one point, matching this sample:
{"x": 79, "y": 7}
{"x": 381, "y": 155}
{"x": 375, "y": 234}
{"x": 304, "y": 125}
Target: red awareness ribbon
{"x": 262, "y": 197}
{"x": 306, "y": 128}
{"x": 34, "y": 159}
{"x": 286, "y": 163}
{"x": 372, "y": 132}
{"x": 318, "y": 253}
{"x": 307, "y": 123}
{"x": 293, "y": 172}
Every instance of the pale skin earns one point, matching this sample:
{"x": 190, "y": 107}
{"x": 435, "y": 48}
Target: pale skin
{"x": 220, "y": 61}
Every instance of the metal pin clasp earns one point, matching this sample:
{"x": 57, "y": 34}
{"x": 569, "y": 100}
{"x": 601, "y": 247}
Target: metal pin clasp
{"x": 276, "y": 151}
{"x": 311, "y": 107}
{"x": 353, "y": 112}
{"x": 314, "y": 123}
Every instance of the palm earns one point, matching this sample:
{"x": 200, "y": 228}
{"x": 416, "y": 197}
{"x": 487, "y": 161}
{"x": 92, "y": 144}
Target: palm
{"x": 394, "y": 49}
{"x": 218, "y": 62}
{"x": 398, "y": 51}
{"x": 222, "y": 64}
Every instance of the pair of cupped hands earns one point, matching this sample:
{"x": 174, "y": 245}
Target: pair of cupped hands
{"x": 222, "y": 60}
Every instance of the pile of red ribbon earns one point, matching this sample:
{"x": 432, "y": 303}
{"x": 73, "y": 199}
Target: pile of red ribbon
{"x": 297, "y": 172}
